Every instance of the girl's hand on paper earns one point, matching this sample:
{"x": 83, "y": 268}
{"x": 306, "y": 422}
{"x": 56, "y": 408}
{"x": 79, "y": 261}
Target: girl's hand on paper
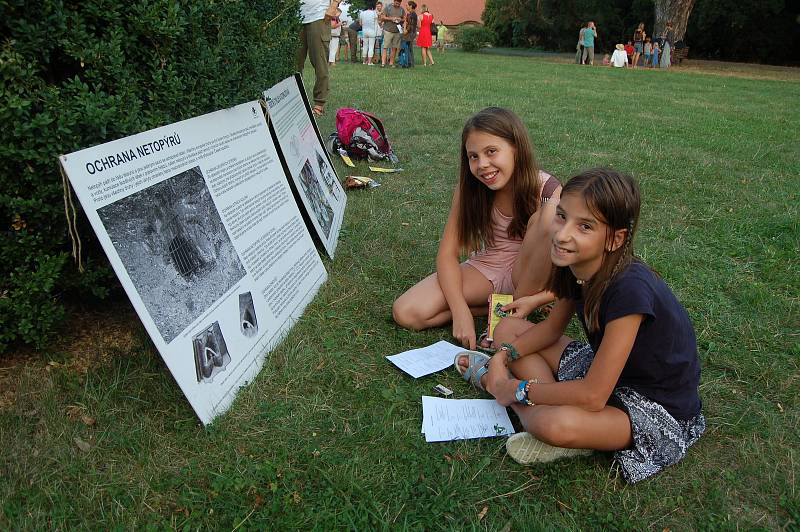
{"x": 464, "y": 330}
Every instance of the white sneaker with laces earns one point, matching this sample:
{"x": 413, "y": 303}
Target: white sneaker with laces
{"x": 525, "y": 449}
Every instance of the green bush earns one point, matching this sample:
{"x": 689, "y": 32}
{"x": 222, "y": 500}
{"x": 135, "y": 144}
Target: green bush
{"x": 473, "y": 38}
{"x": 77, "y": 74}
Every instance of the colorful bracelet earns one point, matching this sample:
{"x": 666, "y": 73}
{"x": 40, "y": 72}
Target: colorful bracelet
{"x": 510, "y": 350}
{"x": 523, "y": 392}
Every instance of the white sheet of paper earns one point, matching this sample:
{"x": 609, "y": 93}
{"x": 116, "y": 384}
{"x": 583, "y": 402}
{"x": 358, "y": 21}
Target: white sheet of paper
{"x": 463, "y": 419}
{"x": 426, "y": 360}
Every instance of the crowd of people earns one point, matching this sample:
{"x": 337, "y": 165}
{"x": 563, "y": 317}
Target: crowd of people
{"x": 385, "y": 35}
{"x": 642, "y": 50}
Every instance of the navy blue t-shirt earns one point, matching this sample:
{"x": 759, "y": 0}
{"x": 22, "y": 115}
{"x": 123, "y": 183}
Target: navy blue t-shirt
{"x": 663, "y": 364}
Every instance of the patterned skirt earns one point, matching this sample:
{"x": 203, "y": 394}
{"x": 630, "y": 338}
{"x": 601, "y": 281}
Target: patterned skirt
{"x": 659, "y": 440}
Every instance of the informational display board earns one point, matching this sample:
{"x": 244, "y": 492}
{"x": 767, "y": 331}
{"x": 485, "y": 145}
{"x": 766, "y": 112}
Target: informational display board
{"x": 198, "y": 221}
{"x": 307, "y": 163}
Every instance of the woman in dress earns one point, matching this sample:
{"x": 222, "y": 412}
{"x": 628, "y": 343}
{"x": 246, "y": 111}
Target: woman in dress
{"x": 666, "y": 47}
{"x": 425, "y": 39}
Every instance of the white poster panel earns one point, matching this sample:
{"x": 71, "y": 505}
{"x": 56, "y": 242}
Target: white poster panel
{"x": 310, "y": 169}
{"x": 198, "y": 222}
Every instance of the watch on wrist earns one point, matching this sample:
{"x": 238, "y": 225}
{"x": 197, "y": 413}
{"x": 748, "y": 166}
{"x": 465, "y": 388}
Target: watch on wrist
{"x": 510, "y": 350}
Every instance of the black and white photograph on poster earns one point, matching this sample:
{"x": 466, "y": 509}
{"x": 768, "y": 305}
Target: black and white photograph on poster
{"x": 248, "y": 322}
{"x": 201, "y": 226}
{"x": 328, "y": 177}
{"x": 293, "y": 129}
{"x": 317, "y": 200}
{"x": 178, "y": 254}
{"x": 211, "y": 354}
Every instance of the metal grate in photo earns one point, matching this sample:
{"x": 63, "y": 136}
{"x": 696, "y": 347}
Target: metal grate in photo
{"x": 184, "y": 256}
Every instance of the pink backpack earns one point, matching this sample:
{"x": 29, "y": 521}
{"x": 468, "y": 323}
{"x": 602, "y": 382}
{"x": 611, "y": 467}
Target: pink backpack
{"x": 362, "y": 134}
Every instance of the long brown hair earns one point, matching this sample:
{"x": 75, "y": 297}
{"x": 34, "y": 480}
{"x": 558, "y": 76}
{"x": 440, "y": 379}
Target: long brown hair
{"x": 476, "y": 199}
{"x": 614, "y": 199}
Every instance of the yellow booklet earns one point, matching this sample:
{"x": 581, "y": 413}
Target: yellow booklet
{"x": 346, "y": 159}
{"x": 385, "y": 170}
{"x": 496, "y": 301}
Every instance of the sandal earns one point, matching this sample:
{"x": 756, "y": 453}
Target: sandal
{"x": 478, "y": 366}
{"x": 485, "y": 343}
{"x": 318, "y": 110}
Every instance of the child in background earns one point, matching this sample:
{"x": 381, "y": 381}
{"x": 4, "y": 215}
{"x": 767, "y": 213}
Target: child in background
{"x": 620, "y": 58}
{"x": 441, "y": 35}
{"x": 629, "y": 51}
{"x": 501, "y": 211}
{"x": 648, "y": 52}
{"x": 606, "y": 60}
{"x": 656, "y": 51}
{"x": 633, "y": 389}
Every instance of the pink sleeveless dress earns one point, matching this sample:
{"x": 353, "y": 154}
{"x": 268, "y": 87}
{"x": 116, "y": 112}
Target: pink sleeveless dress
{"x": 497, "y": 262}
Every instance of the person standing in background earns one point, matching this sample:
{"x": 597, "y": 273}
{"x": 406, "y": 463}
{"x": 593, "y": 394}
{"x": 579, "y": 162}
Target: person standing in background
{"x": 392, "y": 17}
{"x": 379, "y": 36}
{"x": 589, "y": 35}
{"x": 666, "y": 49}
{"x": 315, "y": 38}
{"x": 638, "y": 44}
{"x": 425, "y": 39}
{"x": 344, "y": 40}
{"x": 579, "y": 47}
{"x": 333, "y": 48}
{"x": 352, "y": 36}
{"x": 368, "y": 19}
{"x": 410, "y": 32}
{"x": 441, "y": 36}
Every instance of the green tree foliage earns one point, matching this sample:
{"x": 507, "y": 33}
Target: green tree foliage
{"x": 764, "y": 32}
{"x": 76, "y": 74}
{"x": 472, "y": 38}
{"x": 767, "y": 31}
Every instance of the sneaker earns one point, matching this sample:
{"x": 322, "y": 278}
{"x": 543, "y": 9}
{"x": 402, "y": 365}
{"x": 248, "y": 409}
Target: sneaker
{"x": 525, "y": 449}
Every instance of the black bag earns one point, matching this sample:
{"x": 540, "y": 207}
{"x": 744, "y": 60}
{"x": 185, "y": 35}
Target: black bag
{"x": 434, "y": 30}
{"x": 356, "y": 25}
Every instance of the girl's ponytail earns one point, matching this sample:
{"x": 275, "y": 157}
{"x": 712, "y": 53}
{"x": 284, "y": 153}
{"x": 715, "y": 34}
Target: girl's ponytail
{"x": 615, "y": 200}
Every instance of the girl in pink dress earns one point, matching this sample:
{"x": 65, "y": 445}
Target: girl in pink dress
{"x": 502, "y": 208}
{"x": 425, "y": 39}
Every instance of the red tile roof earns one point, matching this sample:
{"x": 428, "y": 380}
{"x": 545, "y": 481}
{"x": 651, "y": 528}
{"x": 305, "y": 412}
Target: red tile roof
{"x": 453, "y": 12}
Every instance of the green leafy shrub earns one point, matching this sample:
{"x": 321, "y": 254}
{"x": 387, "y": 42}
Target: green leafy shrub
{"x": 473, "y": 38}
{"x": 77, "y": 74}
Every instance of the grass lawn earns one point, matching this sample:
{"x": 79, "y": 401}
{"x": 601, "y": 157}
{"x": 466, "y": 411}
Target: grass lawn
{"x": 94, "y": 433}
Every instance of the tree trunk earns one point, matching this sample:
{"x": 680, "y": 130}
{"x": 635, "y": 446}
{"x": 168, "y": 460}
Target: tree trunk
{"x": 677, "y": 11}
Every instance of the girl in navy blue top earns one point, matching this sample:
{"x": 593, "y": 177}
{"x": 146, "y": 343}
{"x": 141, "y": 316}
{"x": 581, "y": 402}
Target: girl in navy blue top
{"x": 633, "y": 389}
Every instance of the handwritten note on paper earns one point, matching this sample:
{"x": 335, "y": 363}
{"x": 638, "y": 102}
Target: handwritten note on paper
{"x": 463, "y": 419}
{"x": 426, "y": 360}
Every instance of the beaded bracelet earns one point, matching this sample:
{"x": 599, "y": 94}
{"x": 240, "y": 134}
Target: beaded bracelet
{"x": 510, "y": 350}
